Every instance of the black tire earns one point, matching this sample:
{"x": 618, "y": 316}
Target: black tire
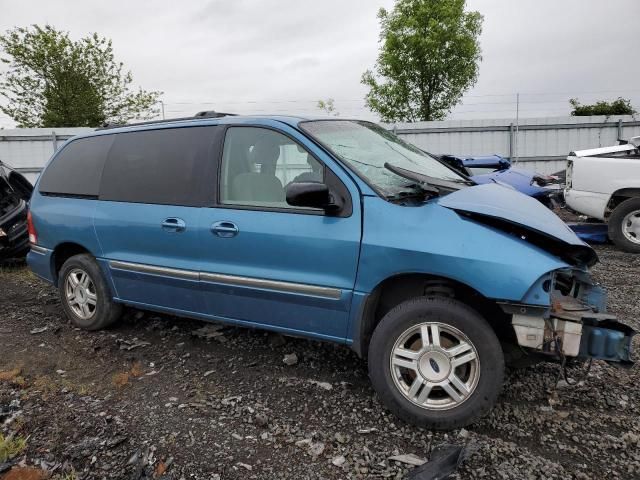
{"x": 448, "y": 313}
{"x": 105, "y": 311}
{"x": 616, "y": 220}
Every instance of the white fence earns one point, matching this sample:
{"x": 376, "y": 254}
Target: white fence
{"x": 540, "y": 144}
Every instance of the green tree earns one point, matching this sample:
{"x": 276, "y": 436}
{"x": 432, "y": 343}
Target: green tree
{"x": 428, "y": 58}
{"x": 620, "y": 106}
{"x": 53, "y": 81}
{"x": 328, "y": 107}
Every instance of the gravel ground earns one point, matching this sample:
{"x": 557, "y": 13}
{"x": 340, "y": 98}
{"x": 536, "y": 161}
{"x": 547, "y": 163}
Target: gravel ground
{"x": 160, "y": 397}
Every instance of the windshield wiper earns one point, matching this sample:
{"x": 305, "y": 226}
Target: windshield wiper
{"x": 418, "y": 190}
{"x": 432, "y": 182}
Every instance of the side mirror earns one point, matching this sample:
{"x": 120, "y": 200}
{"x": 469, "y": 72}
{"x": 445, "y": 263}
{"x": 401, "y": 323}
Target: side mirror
{"x": 313, "y": 195}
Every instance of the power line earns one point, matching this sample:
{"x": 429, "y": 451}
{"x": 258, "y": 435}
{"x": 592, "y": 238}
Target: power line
{"x": 315, "y": 100}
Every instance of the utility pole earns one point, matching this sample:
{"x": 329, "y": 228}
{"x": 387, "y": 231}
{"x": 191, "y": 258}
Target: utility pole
{"x": 517, "y": 125}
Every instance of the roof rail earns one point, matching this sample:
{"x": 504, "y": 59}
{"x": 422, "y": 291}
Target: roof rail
{"x": 203, "y": 114}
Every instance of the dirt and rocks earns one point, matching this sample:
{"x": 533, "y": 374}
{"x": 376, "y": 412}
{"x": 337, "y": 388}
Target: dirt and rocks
{"x": 163, "y": 397}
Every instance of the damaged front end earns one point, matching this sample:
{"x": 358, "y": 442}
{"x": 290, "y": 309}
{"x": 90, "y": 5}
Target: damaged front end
{"x": 563, "y": 314}
{"x": 575, "y": 325}
{"x": 15, "y": 192}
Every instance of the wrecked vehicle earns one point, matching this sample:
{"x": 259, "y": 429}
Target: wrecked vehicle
{"x": 604, "y": 183}
{"x": 15, "y": 191}
{"x": 330, "y": 229}
{"x": 544, "y": 188}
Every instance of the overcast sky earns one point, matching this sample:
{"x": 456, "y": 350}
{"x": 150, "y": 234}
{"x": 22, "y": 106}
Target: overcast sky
{"x": 275, "y": 56}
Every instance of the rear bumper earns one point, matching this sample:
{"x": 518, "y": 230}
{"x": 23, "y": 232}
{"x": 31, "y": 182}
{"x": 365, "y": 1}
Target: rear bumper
{"x": 14, "y": 238}
{"x": 39, "y": 260}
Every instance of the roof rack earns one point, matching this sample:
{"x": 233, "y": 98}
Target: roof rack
{"x": 203, "y": 114}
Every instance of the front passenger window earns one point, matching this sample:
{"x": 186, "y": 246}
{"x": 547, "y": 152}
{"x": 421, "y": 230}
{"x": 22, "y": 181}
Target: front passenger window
{"x": 259, "y": 163}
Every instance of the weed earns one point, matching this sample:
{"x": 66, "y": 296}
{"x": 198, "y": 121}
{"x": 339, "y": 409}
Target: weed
{"x": 12, "y": 377}
{"x": 121, "y": 379}
{"x": 136, "y": 370}
{"x": 50, "y": 386}
{"x": 66, "y": 476}
{"x": 11, "y": 446}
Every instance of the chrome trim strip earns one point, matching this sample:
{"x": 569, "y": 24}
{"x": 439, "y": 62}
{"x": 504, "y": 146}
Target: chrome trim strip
{"x": 40, "y": 250}
{"x": 289, "y": 287}
{"x": 138, "y": 267}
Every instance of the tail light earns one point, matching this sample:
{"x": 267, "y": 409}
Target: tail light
{"x": 33, "y": 236}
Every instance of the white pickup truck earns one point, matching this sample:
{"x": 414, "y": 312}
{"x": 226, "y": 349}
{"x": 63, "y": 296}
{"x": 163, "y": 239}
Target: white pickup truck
{"x": 604, "y": 183}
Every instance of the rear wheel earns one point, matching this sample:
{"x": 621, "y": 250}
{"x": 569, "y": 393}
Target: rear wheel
{"x": 436, "y": 363}
{"x": 624, "y": 225}
{"x": 85, "y": 295}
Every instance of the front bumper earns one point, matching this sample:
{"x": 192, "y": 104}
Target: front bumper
{"x": 14, "y": 238}
{"x": 575, "y": 324}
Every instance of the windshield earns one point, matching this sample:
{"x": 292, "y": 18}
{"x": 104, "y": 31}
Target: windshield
{"x": 366, "y": 147}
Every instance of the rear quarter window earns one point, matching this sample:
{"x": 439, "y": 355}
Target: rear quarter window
{"x": 77, "y": 168}
{"x": 164, "y": 166}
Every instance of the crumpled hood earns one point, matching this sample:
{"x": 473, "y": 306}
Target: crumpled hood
{"x": 519, "y": 179}
{"x": 505, "y": 208}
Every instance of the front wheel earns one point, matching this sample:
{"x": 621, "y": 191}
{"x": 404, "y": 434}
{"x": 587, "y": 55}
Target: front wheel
{"x": 624, "y": 225}
{"x": 436, "y": 363}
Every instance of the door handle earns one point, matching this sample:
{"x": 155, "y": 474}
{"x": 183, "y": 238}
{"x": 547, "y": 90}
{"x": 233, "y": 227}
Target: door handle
{"x": 173, "y": 224}
{"x": 224, "y": 229}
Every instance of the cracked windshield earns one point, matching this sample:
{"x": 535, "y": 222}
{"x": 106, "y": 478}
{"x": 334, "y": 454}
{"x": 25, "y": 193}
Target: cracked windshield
{"x": 367, "y": 147}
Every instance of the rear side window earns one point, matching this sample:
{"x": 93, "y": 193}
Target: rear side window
{"x": 163, "y": 166}
{"x": 77, "y": 168}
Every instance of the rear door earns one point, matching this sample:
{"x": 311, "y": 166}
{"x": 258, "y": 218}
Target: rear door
{"x": 268, "y": 263}
{"x": 147, "y": 218}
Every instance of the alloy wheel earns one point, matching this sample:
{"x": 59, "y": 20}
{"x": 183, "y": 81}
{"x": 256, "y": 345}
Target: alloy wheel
{"x": 435, "y": 366}
{"x": 80, "y": 292}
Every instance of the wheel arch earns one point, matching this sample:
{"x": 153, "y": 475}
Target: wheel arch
{"x": 620, "y": 196}
{"x": 400, "y": 287}
{"x": 61, "y": 253}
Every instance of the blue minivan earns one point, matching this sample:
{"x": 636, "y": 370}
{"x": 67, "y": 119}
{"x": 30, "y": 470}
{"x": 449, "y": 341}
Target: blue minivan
{"x": 324, "y": 228}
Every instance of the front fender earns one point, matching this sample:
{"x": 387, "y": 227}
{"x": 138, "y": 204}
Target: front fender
{"x": 435, "y": 240}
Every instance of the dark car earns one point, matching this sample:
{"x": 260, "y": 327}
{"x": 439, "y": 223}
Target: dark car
{"x": 15, "y": 191}
{"x": 496, "y": 169}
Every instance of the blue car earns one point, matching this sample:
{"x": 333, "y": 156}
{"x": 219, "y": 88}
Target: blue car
{"x": 496, "y": 169}
{"x": 329, "y": 229}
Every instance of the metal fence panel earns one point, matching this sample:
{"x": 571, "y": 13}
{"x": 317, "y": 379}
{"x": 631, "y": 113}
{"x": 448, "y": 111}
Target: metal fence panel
{"x": 540, "y": 144}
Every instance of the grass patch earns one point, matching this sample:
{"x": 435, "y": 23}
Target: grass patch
{"x": 121, "y": 379}
{"x": 16, "y": 270}
{"x": 12, "y": 377}
{"x": 49, "y": 386}
{"x": 11, "y": 446}
{"x": 66, "y": 476}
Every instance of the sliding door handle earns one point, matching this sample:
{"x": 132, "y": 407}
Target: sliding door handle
{"x": 173, "y": 224}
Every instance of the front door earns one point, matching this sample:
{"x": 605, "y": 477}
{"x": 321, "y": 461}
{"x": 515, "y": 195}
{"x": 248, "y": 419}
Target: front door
{"x": 265, "y": 262}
